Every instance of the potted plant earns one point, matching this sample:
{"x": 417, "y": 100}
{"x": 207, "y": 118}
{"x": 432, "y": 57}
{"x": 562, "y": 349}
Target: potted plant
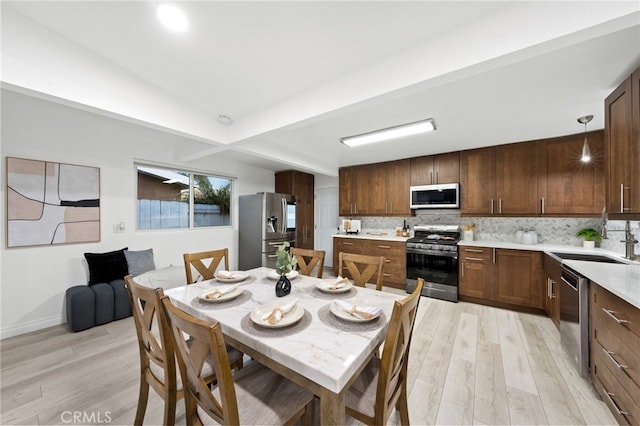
{"x": 285, "y": 263}
{"x": 590, "y": 236}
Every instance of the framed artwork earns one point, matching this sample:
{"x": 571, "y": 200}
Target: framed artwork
{"x": 51, "y": 203}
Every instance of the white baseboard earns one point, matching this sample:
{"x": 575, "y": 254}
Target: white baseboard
{"x": 16, "y": 330}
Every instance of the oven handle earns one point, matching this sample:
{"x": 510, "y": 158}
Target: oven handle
{"x": 443, "y": 254}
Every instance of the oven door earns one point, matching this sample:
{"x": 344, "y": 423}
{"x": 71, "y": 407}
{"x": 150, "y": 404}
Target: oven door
{"x": 439, "y": 271}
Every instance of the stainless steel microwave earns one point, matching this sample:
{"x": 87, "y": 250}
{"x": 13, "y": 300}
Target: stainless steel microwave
{"x": 444, "y": 196}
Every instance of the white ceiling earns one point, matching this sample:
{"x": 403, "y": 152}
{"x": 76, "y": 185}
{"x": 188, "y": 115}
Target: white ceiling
{"x": 295, "y": 76}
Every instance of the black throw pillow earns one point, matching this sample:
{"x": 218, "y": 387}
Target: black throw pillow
{"x": 106, "y": 267}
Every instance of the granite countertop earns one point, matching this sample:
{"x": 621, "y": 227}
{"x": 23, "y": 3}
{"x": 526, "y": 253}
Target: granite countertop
{"x": 623, "y": 280}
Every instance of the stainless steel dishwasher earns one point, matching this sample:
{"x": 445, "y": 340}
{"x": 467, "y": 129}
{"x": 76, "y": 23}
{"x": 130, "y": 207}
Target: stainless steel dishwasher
{"x": 574, "y": 318}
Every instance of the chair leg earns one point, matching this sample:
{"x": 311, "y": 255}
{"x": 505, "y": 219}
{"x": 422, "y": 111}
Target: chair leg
{"x": 308, "y": 418}
{"x": 143, "y": 397}
{"x": 403, "y": 407}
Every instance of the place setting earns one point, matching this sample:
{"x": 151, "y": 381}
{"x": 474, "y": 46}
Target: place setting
{"x": 339, "y": 288}
{"x": 284, "y": 316}
{"x": 222, "y": 296}
{"x": 352, "y": 316}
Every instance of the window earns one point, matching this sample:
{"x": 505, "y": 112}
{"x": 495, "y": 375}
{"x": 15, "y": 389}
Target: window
{"x": 182, "y": 199}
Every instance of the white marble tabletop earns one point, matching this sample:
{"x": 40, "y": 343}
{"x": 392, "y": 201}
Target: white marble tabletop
{"x": 320, "y": 347}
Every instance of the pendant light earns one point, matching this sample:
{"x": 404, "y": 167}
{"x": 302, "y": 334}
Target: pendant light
{"x": 586, "y": 152}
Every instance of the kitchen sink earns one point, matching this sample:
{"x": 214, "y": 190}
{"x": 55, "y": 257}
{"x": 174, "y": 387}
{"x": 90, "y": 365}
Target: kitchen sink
{"x": 587, "y": 257}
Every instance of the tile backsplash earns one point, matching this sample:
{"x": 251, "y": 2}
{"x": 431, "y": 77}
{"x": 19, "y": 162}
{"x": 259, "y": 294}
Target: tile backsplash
{"x": 550, "y": 230}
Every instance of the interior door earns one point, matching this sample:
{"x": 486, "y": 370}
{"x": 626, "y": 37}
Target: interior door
{"x": 327, "y": 221}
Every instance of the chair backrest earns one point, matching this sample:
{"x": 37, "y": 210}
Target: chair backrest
{"x": 395, "y": 355}
{"x": 154, "y": 339}
{"x": 206, "y": 271}
{"x": 204, "y": 339}
{"x": 309, "y": 259}
{"x": 362, "y": 268}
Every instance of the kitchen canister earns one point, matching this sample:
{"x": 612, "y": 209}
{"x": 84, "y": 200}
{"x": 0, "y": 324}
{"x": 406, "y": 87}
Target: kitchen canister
{"x": 467, "y": 235}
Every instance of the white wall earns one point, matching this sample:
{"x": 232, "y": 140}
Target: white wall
{"x": 34, "y": 279}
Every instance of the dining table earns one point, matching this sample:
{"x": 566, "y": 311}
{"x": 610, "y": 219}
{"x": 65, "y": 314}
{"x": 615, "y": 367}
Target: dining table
{"x": 315, "y": 344}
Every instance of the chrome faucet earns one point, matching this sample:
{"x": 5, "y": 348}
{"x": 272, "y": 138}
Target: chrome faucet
{"x": 629, "y": 239}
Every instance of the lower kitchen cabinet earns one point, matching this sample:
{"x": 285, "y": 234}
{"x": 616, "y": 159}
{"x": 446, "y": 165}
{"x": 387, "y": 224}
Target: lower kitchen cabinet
{"x": 476, "y": 272}
{"x": 552, "y": 272}
{"x": 615, "y": 353}
{"x": 501, "y": 277}
{"x": 394, "y": 252}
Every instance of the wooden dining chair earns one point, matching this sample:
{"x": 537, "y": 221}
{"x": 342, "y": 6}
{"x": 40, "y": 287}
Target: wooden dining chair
{"x": 362, "y": 268}
{"x": 253, "y": 395}
{"x": 197, "y": 261}
{"x": 157, "y": 360}
{"x": 309, "y": 259}
{"x": 382, "y": 385}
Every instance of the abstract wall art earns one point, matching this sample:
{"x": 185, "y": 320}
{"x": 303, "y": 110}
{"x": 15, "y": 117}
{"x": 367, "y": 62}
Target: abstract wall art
{"x": 51, "y": 203}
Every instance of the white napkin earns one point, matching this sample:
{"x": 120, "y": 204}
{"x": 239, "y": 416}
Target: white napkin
{"x": 218, "y": 292}
{"x": 340, "y": 282}
{"x": 278, "y": 312}
{"x": 354, "y": 310}
{"x": 224, "y": 274}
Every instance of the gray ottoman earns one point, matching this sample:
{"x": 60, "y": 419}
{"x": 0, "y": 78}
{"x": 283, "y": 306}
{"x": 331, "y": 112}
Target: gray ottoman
{"x": 104, "y": 303}
{"x": 81, "y": 307}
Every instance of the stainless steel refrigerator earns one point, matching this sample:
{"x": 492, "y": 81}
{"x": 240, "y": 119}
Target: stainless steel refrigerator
{"x": 266, "y": 220}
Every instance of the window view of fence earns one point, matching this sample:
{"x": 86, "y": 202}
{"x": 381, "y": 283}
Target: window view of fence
{"x": 164, "y": 198}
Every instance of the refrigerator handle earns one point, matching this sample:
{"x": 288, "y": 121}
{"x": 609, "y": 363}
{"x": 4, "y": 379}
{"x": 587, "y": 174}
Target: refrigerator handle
{"x": 284, "y": 215}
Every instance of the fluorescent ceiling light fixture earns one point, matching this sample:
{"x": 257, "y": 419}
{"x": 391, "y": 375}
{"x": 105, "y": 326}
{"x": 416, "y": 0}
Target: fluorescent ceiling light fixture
{"x": 395, "y": 132}
{"x": 172, "y": 18}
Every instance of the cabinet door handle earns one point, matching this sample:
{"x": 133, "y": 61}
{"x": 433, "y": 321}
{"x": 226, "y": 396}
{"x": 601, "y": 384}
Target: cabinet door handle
{"x": 437, "y": 177}
{"x": 622, "y": 198}
{"x": 492, "y": 206}
{"x": 347, "y": 244}
{"x": 553, "y": 295}
{"x": 474, "y": 258}
{"x": 542, "y": 203}
{"x": 610, "y": 355}
{"x": 384, "y": 247}
{"x": 616, "y": 319}
{"x": 494, "y": 255}
{"x": 500, "y": 206}
{"x": 462, "y": 269}
{"x": 474, "y": 250}
{"x": 615, "y": 406}
{"x": 431, "y": 177}
{"x": 548, "y": 288}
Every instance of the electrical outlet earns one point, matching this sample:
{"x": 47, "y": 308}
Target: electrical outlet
{"x": 119, "y": 228}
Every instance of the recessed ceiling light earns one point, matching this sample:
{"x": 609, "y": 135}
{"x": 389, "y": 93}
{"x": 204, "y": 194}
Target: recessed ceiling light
{"x": 172, "y": 18}
{"x": 390, "y": 133}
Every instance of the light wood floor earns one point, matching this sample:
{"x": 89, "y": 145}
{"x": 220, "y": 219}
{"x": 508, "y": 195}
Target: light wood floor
{"x": 469, "y": 364}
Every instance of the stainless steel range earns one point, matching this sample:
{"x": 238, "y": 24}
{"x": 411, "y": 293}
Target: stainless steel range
{"x": 432, "y": 254}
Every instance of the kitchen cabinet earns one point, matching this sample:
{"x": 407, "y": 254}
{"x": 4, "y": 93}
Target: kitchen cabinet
{"x": 566, "y": 186}
{"x": 394, "y": 252}
{"x": 519, "y": 278}
{"x": 435, "y": 169}
{"x": 615, "y": 353}
{"x": 302, "y": 186}
{"x": 622, "y": 142}
{"x": 380, "y": 189}
{"x": 501, "y": 277}
{"x": 499, "y": 180}
{"x": 552, "y": 272}
{"x": 476, "y": 271}
{"x": 477, "y": 181}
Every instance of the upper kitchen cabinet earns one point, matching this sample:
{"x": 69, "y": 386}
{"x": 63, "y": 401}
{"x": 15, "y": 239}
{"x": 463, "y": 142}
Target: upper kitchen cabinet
{"x": 622, "y": 142}
{"x": 380, "y": 189}
{"x": 302, "y": 186}
{"x": 566, "y": 186}
{"x": 435, "y": 169}
{"x": 500, "y": 180}
{"x": 477, "y": 181}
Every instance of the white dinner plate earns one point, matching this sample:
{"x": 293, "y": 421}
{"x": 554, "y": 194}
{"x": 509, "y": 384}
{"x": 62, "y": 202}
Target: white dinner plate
{"x": 237, "y": 277}
{"x": 342, "y": 314}
{"x": 225, "y": 297}
{"x": 327, "y": 287}
{"x": 291, "y": 318}
{"x": 291, "y": 275}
